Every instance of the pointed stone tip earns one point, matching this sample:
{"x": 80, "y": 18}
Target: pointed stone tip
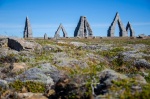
{"x": 83, "y": 16}
{"x": 117, "y": 13}
{"x": 128, "y": 23}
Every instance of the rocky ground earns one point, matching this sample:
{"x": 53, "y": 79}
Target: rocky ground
{"x": 99, "y": 68}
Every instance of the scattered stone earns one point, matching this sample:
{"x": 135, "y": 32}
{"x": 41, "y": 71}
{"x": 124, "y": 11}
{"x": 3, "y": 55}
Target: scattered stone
{"x": 140, "y": 79}
{"x": 16, "y": 67}
{"x": 53, "y": 48}
{"x": 142, "y": 36}
{"x": 77, "y": 44}
{"x": 4, "y": 52}
{"x": 63, "y": 60}
{"x": 3, "y": 42}
{"x": 132, "y": 55}
{"x": 106, "y": 77}
{"x": 24, "y": 90}
{"x": 142, "y": 63}
{"x": 3, "y": 83}
{"x": 21, "y": 44}
{"x": 30, "y": 95}
{"x": 50, "y": 93}
{"x": 45, "y": 73}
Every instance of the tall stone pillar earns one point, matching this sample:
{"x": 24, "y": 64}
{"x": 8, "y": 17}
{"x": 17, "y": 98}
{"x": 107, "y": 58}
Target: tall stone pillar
{"x": 27, "y": 29}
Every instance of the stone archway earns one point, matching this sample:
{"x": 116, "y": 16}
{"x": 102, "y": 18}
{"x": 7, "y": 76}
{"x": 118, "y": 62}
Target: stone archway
{"x": 122, "y": 30}
{"x": 57, "y": 33}
{"x": 83, "y": 28}
{"x": 129, "y": 27}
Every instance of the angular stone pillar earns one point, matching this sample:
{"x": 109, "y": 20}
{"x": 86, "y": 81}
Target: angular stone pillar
{"x": 83, "y": 28}
{"x": 111, "y": 30}
{"x": 129, "y": 27}
{"x": 45, "y": 36}
{"x": 57, "y": 33}
{"x": 27, "y": 29}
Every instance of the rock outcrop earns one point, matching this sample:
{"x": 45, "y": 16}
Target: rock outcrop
{"x": 106, "y": 77}
{"x": 21, "y": 44}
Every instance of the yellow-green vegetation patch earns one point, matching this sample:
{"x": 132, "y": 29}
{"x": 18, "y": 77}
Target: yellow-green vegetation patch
{"x": 31, "y": 86}
{"x": 124, "y": 88}
{"x": 111, "y": 53}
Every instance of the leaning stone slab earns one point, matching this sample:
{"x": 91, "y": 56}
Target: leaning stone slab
{"x": 21, "y": 44}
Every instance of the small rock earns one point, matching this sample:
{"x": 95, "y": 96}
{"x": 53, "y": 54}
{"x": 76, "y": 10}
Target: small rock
{"x": 30, "y": 95}
{"x": 3, "y": 42}
{"x": 77, "y": 44}
{"x": 140, "y": 79}
{"x": 142, "y": 63}
{"x": 50, "y": 92}
{"x": 3, "y": 83}
{"x": 16, "y": 67}
{"x": 24, "y": 90}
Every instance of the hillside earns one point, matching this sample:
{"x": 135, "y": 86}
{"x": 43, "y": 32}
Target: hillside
{"x": 75, "y": 68}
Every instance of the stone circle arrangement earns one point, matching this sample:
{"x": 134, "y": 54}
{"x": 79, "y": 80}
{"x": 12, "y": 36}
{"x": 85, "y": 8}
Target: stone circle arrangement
{"x": 83, "y": 29}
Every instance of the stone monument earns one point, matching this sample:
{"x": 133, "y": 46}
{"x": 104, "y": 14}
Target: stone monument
{"x": 122, "y": 30}
{"x": 83, "y": 28}
{"x": 27, "y": 29}
{"x": 45, "y": 36}
{"x": 129, "y": 27}
{"x": 58, "y": 31}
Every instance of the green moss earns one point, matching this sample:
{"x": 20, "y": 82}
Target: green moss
{"x": 148, "y": 77}
{"x": 31, "y": 86}
{"x": 128, "y": 93}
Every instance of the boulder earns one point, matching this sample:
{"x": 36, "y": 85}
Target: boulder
{"x": 21, "y": 44}
{"x": 3, "y": 83}
{"x": 132, "y": 55}
{"x": 106, "y": 77}
{"x": 6, "y": 52}
{"x": 142, "y": 63}
{"x": 45, "y": 73}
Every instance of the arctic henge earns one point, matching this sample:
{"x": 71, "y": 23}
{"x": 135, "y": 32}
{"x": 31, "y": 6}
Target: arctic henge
{"x": 83, "y": 29}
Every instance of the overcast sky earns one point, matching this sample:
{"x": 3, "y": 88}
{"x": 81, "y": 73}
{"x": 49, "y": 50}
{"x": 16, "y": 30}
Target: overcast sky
{"x": 46, "y": 15}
